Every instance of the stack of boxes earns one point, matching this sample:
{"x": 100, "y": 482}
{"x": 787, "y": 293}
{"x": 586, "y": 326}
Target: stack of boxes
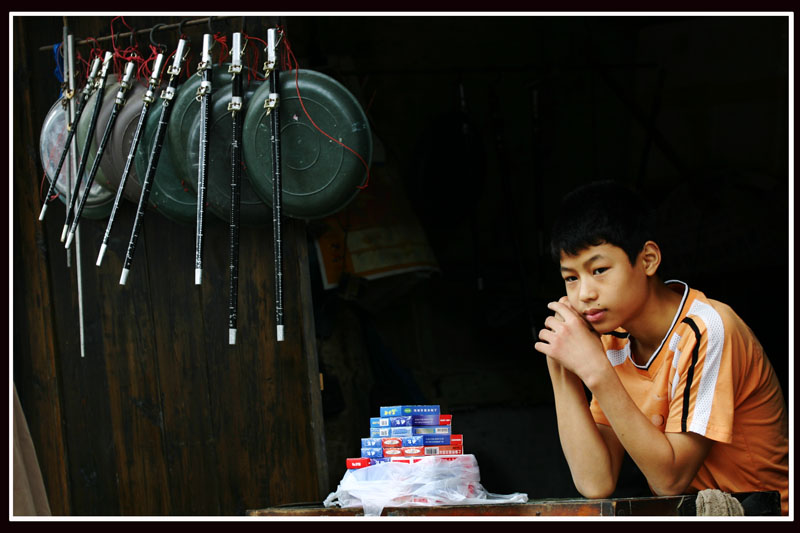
{"x": 408, "y": 433}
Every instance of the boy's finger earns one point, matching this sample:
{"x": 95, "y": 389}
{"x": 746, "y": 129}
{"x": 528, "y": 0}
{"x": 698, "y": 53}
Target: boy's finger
{"x": 561, "y": 309}
{"x": 545, "y": 335}
{"x": 552, "y": 322}
{"x": 542, "y": 347}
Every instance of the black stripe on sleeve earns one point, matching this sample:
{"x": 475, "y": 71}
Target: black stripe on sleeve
{"x": 690, "y": 373}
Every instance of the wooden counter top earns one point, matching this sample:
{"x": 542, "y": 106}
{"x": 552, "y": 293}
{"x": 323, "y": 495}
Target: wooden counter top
{"x": 754, "y": 503}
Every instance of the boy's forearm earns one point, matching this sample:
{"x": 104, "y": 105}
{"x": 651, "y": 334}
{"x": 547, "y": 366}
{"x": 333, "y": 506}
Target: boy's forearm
{"x": 585, "y": 450}
{"x": 647, "y": 445}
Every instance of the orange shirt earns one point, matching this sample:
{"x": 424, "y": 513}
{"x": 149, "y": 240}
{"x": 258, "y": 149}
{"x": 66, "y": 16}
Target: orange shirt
{"x": 710, "y": 376}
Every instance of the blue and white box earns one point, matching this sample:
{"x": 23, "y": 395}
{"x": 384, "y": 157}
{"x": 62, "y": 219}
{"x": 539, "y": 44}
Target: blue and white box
{"x": 436, "y": 440}
{"x": 400, "y": 421}
{"x": 371, "y": 452}
{"x": 377, "y": 422}
{"x": 426, "y": 440}
{"x": 405, "y": 410}
{"x": 401, "y": 431}
{"x": 425, "y": 420}
{"x": 432, "y": 430}
{"x": 392, "y": 421}
{"x": 371, "y": 443}
{"x": 414, "y": 440}
{"x": 376, "y": 433}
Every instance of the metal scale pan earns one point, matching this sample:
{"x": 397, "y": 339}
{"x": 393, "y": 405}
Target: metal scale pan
{"x": 319, "y": 176}
{"x": 169, "y": 195}
{"x": 252, "y": 209}
{"x": 51, "y": 143}
{"x": 119, "y": 144}
{"x": 186, "y": 110}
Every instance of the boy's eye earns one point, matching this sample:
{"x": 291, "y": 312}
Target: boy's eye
{"x": 570, "y": 279}
{"x": 599, "y": 270}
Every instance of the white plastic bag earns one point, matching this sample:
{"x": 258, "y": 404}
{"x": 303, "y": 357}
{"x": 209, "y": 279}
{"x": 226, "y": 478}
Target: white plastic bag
{"x": 432, "y": 481}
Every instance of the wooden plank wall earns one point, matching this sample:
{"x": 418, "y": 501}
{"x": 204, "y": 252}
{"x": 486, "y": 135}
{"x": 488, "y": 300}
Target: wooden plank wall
{"x": 161, "y": 416}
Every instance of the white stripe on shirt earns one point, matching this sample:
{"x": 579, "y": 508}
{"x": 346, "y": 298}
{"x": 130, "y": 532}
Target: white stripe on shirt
{"x": 715, "y": 330}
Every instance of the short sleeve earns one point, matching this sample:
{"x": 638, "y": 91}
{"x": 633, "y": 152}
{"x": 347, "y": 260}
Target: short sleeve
{"x": 702, "y": 383}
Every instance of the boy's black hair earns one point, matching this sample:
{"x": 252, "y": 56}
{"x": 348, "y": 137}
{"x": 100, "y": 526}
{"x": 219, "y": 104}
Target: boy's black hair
{"x": 602, "y": 212}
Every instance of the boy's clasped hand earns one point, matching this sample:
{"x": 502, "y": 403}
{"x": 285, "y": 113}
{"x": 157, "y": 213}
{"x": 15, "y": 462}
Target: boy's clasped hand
{"x": 569, "y": 339}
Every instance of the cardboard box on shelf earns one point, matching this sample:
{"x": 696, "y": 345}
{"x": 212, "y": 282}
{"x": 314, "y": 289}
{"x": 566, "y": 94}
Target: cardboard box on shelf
{"x": 403, "y": 410}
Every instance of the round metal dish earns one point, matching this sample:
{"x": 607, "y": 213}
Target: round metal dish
{"x": 116, "y": 156}
{"x": 187, "y": 107}
{"x": 319, "y": 176}
{"x": 112, "y": 86}
{"x": 252, "y": 210}
{"x": 51, "y": 144}
{"x": 168, "y": 193}
{"x": 109, "y": 94}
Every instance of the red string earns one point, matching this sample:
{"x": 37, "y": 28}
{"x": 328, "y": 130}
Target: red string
{"x": 131, "y": 53}
{"x": 291, "y": 58}
{"x": 144, "y": 70}
{"x": 223, "y": 41}
{"x": 253, "y": 72}
{"x": 94, "y": 52}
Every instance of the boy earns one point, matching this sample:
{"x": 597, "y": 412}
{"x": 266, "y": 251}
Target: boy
{"x": 678, "y": 381}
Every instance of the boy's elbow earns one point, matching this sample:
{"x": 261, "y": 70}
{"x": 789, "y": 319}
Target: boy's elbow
{"x": 597, "y": 490}
{"x": 672, "y": 483}
{"x": 669, "y": 489}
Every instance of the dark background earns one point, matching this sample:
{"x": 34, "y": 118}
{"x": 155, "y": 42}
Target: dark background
{"x": 484, "y": 122}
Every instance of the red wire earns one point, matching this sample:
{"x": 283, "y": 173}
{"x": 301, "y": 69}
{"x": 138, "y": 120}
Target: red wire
{"x": 144, "y": 66}
{"x": 128, "y": 54}
{"x": 290, "y": 56}
{"x": 223, "y": 41}
{"x": 254, "y": 66}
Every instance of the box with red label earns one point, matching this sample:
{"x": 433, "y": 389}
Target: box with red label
{"x": 456, "y": 440}
{"x": 413, "y": 451}
{"x": 358, "y": 462}
{"x": 432, "y": 430}
{"x": 392, "y": 452}
{"x": 406, "y": 459}
{"x": 392, "y": 442}
{"x": 431, "y": 420}
{"x": 444, "y": 450}
{"x": 405, "y": 410}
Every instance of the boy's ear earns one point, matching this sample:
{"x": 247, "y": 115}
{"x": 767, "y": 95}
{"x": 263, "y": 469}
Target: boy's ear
{"x": 650, "y": 256}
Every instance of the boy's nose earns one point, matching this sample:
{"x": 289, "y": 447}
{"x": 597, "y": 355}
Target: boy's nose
{"x": 588, "y": 292}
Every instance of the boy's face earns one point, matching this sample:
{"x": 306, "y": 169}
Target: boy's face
{"x": 603, "y": 286}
